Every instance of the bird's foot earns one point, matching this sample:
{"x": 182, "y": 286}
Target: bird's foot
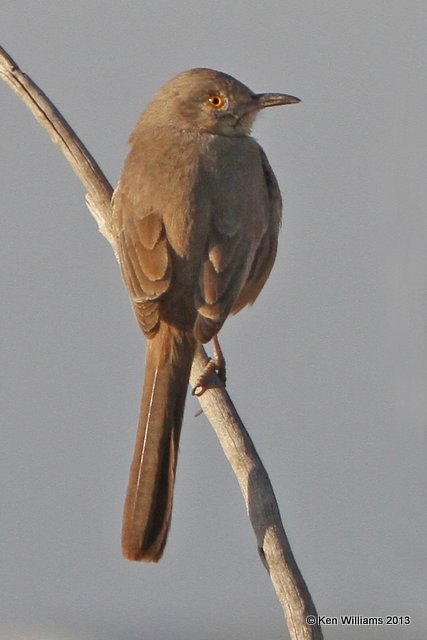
{"x": 215, "y": 365}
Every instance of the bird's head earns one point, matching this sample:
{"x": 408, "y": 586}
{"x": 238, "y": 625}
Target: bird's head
{"x": 210, "y": 101}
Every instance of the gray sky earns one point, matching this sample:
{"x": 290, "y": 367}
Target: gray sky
{"x": 328, "y": 370}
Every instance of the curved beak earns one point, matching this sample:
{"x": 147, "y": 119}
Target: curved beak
{"x": 274, "y": 99}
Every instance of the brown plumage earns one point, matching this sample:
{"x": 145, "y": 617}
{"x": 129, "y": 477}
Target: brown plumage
{"x": 197, "y": 213}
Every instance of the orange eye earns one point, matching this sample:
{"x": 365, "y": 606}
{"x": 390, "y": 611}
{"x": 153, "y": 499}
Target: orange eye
{"x": 216, "y": 102}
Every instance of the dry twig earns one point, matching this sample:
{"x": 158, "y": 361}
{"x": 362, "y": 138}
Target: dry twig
{"x": 273, "y": 545}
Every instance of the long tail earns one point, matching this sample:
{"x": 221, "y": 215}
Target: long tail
{"x": 148, "y": 505}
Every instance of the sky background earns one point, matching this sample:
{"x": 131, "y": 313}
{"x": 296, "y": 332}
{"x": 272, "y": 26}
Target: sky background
{"x": 328, "y": 370}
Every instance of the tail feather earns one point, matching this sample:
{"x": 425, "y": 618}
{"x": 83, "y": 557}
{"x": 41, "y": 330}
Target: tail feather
{"x": 148, "y": 505}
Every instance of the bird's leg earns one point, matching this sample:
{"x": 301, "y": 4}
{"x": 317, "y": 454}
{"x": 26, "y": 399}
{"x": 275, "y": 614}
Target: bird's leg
{"x": 219, "y": 359}
{"x": 215, "y": 365}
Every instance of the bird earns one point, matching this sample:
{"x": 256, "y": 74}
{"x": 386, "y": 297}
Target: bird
{"x": 196, "y": 216}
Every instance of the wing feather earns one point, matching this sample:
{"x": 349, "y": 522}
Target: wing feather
{"x": 146, "y": 266}
{"x": 242, "y": 248}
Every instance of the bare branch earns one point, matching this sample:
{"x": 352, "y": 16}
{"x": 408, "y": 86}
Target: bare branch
{"x": 99, "y": 190}
{"x": 273, "y": 545}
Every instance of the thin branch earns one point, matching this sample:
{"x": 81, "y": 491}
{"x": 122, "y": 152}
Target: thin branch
{"x": 261, "y": 504}
{"x": 273, "y": 545}
{"x": 99, "y": 190}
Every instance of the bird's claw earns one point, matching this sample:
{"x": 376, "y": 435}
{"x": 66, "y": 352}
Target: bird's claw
{"x": 215, "y": 365}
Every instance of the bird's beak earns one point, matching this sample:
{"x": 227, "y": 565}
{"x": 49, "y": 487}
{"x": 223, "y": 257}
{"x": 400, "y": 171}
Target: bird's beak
{"x": 274, "y": 99}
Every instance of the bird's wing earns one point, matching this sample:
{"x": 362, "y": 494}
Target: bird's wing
{"x": 143, "y": 252}
{"x": 266, "y": 252}
{"x": 242, "y": 240}
{"x": 146, "y": 266}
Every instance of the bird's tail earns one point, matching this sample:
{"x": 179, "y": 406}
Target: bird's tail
{"x": 148, "y": 505}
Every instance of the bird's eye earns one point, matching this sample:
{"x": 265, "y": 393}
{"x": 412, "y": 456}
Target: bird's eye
{"x": 216, "y": 101}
